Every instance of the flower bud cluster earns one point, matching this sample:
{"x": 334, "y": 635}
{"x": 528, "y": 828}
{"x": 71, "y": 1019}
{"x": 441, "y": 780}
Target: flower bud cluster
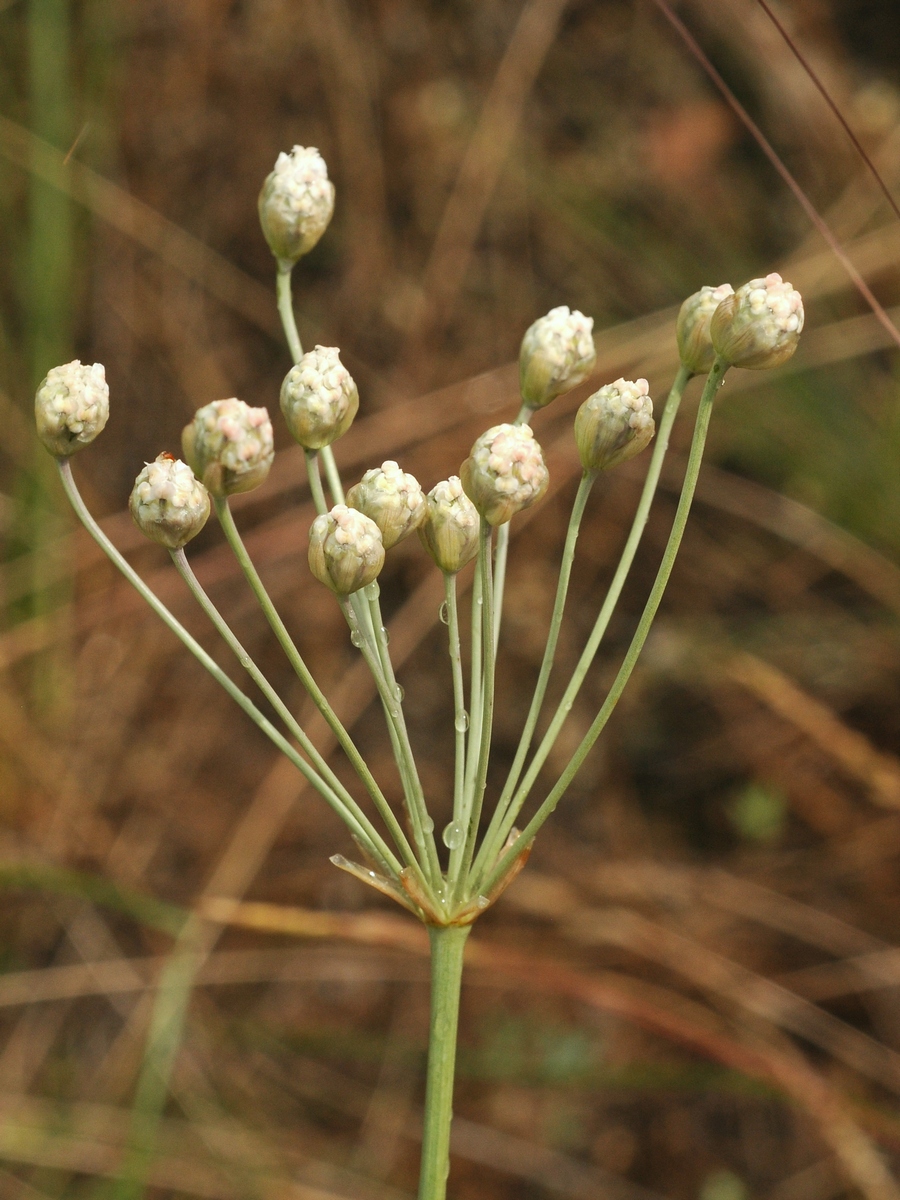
{"x": 229, "y": 446}
{"x": 391, "y": 498}
{"x": 345, "y": 550}
{"x": 319, "y": 398}
{"x": 168, "y": 503}
{"x": 450, "y": 530}
{"x": 504, "y": 472}
{"x": 695, "y": 346}
{"x": 557, "y": 354}
{"x": 614, "y": 424}
{"x": 759, "y": 326}
{"x": 71, "y": 407}
{"x": 296, "y": 203}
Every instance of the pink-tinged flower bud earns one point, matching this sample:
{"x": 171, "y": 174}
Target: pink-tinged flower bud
{"x": 168, "y": 503}
{"x": 229, "y": 446}
{"x": 319, "y": 398}
{"x": 614, "y": 424}
{"x": 296, "y": 203}
{"x": 692, "y": 327}
{"x": 557, "y": 354}
{"x": 345, "y": 550}
{"x": 450, "y": 530}
{"x": 392, "y": 499}
{"x": 759, "y": 326}
{"x": 504, "y": 472}
{"x": 71, "y": 407}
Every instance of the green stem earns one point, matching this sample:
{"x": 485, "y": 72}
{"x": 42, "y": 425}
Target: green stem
{"x": 475, "y": 682}
{"x": 447, "y": 948}
{"x": 713, "y": 383}
{"x": 589, "y": 653}
{"x": 383, "y": 675}
{"x": 331, "y": 474}
{"x": 361, "y": 825}
{"x": 65, "y": 471}
{"x": 501, "y": 554}
{"x": 233, "y": 537}
{"x": 460, "y": 725}
{"x": 286, "y": 308}
{"x": 476, "y": 797}
{"x": 489, "y": 847}
{"x": 315, "y": 481}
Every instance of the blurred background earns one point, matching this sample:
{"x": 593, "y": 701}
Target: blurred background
{"x": 694, "y": 990}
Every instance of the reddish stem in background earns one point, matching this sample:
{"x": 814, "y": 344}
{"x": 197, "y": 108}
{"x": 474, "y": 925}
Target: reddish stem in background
{"x": 770, "y": 153}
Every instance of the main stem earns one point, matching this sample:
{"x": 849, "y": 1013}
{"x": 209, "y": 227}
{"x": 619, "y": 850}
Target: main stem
{"x": 447, "y": 947}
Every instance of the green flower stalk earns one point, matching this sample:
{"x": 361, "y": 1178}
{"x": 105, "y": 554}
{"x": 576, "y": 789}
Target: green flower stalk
{"x": 391, "y": 498}
{"x": 449, "y": 531}
{"x": 319, "y": 398}
{"x": 168, "y": 502}
{"x": 296, "y": 203}
{"x": 614, "y": 424}
{"x": 71, "y": 407}
{"x": 695, "y": 346}
{"x": 505, "y": 472}
{"x": 760, "y": 325}
{"x": 557, "y": 354}
{"x": 346, "y": 551}
{"x": 229, "y": 446}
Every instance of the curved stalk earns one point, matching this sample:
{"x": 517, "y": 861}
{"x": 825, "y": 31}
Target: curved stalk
{"x": 501, "y": 554}
{"x": 374, "y": 843}
{"x": 713, "y": 383}
{"x": 648, "y": 492}
{"x": 205, "y": 660}
{"x": 315, "y": 482}
{"x": 285, "y": 303}
{"x": 540, "y": 690}
{"x": 233, "y": 537}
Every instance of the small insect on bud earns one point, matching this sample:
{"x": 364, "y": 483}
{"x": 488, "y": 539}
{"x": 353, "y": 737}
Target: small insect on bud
{"x": 345, "y": 550}
{"x": 759, "y": 326}
{"x": 450, "y": 530}
{"x": 168, "y": 502}
{"x": 71, "y": 407}
{"x": 557, "y": 354}
{"x": 229, "y": 446}
{"x": 504, "y": 472}
{"x": 692, "y": 327}
{"x": 319, "y": 398}
{"x": 296, "y": 203}
{"x": 614, "y": 424}
{"x": 392, "y": 499}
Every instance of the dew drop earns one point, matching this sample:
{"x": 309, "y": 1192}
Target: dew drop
{"x": 372, "y": 590}
{"x": 461, "y": 723}
{"x": 356, "y": 638}
{"x": 399, "y": 693}
{"x": 385, "y": 635}
{"x": 339, "y": 860}
{"x": 482, "y": 902}
{"x": 428, "y": 825}
{"x": 453, "y": 835}
{"x": 444, "y": 614}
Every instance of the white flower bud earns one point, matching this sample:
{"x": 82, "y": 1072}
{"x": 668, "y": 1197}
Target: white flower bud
{"x": 71, "y": 407}
{"x": 692, "y": 327}
{"x": 557, "y": 354}
{"x": 296, "y": 203}
{"x": 319, "y": 398}
{"x": 759, "y": 326}
{"x": 504, "y": 472}
{"x": 229, "y": 446}
{"x": 392, "y": 499}
{"x": 614, "y": 424}
{"x": 450, "y": 530}
{"x": 168, "y": 502}
{"x": 345, "y": 550}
